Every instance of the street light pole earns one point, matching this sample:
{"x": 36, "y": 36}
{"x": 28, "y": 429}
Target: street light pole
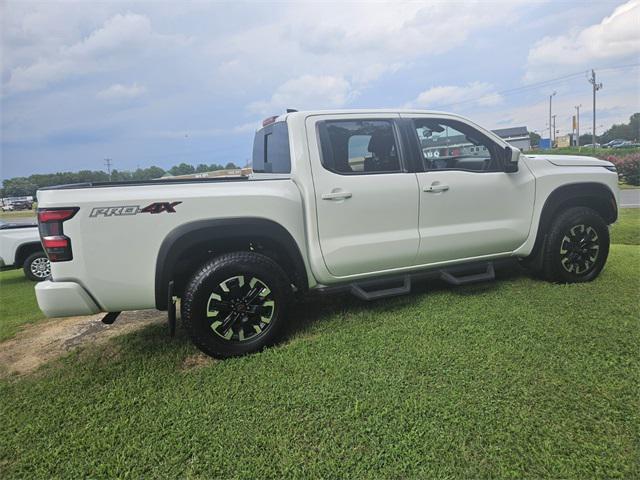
{"x": 550, "y": 127}
{"x": 578, "y": 126}
{"x": 554, "y": 129}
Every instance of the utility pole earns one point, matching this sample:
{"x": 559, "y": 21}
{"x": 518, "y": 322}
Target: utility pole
{"x": 554, "y": 130}
{"x": 578, "y": 126}
{"x": 550, "y": 136}
{"x": 596, "y": 87}
{"x": 107, "y": 162}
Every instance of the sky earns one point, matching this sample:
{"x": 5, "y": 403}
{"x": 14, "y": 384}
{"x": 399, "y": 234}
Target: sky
{"x": 160, "y": 83}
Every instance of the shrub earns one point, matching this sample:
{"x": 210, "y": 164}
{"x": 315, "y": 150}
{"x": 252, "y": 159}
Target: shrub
{"x": 628, "y": 167}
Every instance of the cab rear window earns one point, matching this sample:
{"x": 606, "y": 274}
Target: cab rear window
{"x": 271, "y": 149}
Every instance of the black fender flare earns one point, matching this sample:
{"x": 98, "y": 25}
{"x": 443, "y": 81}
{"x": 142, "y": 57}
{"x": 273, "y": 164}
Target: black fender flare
{"x": 24, "y": 250}
{"x": 595, "y": 195}
{"x": 181, "y": 239}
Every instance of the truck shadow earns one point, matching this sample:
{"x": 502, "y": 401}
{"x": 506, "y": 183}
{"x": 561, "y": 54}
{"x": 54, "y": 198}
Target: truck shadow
{"x": 315, "y": 308}
{"x": 305, "y": 314}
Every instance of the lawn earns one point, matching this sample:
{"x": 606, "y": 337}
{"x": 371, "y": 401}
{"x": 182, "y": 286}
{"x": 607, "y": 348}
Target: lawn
{"x": 7, "y": 216}
{"x": 627, "y": 229}
{"x": 17, "y": 302}
{"x": 514, "y": 378}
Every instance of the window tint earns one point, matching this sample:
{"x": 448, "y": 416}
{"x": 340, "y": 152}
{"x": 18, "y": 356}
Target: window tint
{"x": 451, "y": 145}
{"x": 358, "y": 146}
{"x": 271, "y": 149}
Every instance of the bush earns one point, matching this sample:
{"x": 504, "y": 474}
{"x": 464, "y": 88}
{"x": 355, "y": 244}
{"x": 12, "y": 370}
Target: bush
{"x": 628, "y": 167}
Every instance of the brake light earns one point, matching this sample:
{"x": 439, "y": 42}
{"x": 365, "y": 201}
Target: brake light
{"x": 56, "y": 215}
{"x": 56, "y": 245}
{"x": 269, "y": 120}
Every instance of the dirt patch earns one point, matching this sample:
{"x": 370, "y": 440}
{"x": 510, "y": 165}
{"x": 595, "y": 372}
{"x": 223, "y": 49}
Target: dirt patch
{"x": 197, "y": 360}
{"x": 38, "y": 344}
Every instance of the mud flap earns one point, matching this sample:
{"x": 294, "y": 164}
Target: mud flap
{"x": 171, "y": 310}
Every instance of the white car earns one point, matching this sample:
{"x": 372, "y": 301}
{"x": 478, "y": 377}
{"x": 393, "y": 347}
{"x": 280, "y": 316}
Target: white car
{"x": 363, "y": 201}
{"x": 20, "y": 247}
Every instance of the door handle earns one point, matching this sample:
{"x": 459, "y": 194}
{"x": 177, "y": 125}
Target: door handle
{"x": 436, "y": 188}
{"x": 340, "y": 195}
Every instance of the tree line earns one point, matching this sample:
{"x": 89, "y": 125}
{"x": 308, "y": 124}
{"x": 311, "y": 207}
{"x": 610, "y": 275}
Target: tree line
{"x": 27, "y": 186}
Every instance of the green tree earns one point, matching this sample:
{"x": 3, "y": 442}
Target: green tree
{"x": 534, "y": 139}
{"x": 230, "y": 166}
{"x": 624, "y": 131}
{"x": 182, "y": 169}
{"x": 19, "y": 187}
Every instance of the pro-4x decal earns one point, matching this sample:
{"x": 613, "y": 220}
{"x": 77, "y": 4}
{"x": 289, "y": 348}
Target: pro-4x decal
{"x": 160, "y": 207}
{"x": 157, "y": 207}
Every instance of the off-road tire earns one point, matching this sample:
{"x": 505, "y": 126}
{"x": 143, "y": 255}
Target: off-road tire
{"x": 198, "y": 295}
{"x": 36, "y": 267}
{"x": 555, "y": 264}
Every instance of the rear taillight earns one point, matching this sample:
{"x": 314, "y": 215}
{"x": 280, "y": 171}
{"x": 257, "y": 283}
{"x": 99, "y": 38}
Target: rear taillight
{"x": 56, "y": 245}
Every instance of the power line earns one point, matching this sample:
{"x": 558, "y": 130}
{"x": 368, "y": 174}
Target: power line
{"x": 107, "y": 162}
{"x": 543, "y": 83}
{"x": 596, "y": 87}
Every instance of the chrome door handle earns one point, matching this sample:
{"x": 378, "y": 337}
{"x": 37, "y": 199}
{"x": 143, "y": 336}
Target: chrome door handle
{"x": 436, "y": 188}
{"x": 341, "y": 195}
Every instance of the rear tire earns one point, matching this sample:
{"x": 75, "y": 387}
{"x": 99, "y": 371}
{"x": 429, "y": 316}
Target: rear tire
{"x": 576, "y": 247}
{"x": 236, "y": 304}
{"x": 37, "y": 267}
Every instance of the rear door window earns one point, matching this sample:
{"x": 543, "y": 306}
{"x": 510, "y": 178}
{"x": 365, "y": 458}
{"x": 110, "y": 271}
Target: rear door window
{"x": 359, "y": 146}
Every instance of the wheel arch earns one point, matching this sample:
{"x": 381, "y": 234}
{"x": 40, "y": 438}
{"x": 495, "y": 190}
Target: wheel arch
{"x": 594, "y": 195}
{"x": 219, "y": 236}
{"x": 26, "y": 249}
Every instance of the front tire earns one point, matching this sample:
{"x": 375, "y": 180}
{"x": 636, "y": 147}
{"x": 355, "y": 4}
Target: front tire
{"x": 236, "y": 304}
{"x": 577, "y": 246}
{"x": 37, "y": 267}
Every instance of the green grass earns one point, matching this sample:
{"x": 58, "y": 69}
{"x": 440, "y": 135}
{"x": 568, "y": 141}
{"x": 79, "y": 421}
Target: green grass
{"x": 17, "y": 303}
{"x": 515, "y": 378}
{"x": 627, "y": 229}
{"x": 626, "y": 186}
{"x": 7, "y": 216}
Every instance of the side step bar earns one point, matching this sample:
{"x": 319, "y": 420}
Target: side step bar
{"x": 449, "y": 275}
{"x": 393, "y": 286}
{"x": 367, "y": 290}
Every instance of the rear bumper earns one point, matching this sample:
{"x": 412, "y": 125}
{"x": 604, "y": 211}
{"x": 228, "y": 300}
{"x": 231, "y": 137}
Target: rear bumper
{"x": 64, "y": 299}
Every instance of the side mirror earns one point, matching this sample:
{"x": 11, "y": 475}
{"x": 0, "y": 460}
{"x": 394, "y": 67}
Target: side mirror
{"x": 512, "y": 155}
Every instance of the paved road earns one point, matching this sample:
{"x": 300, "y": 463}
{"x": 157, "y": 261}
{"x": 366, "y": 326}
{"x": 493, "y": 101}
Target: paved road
{"x": 630, "y": 198}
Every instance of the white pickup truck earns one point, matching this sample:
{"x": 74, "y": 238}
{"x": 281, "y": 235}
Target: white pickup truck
{"x": 20, "y": 247}
{"x": 364, "y": 201}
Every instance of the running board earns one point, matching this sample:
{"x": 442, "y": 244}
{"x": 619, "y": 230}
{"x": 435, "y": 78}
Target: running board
{"x": 401, "y": 285}
{"x": 449, "y": 275}
{"x": 375, "y": 289}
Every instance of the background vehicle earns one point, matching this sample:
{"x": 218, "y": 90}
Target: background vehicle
{"x": 361, "y": 201}
{"x": 22, "y": 205}
{"x": 613, "y": 143}
{"x": 20, "y": 247}
{"x": 623, "y": 144}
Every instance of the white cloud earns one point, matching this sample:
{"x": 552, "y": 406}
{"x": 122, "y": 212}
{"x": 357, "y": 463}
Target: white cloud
{"x": 357, "y": 41}
{"x": 478, "y": 93}
{"x": 119, "y": 39}
{"x": 207, "y": 132}
{"x": 119, "y": 91}
{"x": 307, "y": 91}
{"x": 615, "y": 37}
